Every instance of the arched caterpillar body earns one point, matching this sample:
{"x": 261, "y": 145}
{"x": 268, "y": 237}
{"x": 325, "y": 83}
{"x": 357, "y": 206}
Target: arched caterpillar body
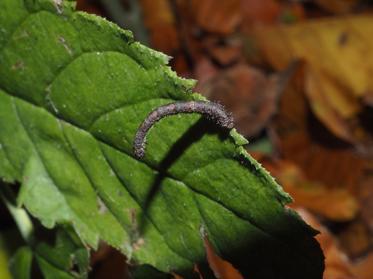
{"x": 211, "y": 110}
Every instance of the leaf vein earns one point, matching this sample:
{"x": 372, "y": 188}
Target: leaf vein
{"x": 35, "y": 148}
{"x": 140, "y": 206}
{"x": 89, "y": 178}
{"x": 103, "y": 114}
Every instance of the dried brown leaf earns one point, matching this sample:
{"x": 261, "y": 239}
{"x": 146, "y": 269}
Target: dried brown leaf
{"x": 248, "y": 93}
{"x": 337, "y": 6}
{"x": 217, "y": 16}
{"x": 333, "y": 204}
{"x": 364, "y": 267}
{"x": 303, "y": 140}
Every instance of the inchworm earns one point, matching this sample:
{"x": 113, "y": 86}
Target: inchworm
{"x": 212, "y": 111}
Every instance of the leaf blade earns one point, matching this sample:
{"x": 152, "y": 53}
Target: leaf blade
{"x": 67, "y": 103}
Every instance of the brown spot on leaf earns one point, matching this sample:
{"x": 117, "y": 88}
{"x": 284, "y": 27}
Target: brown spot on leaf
{"x": 343, "y": 39}
{"x": 138, "y": 243}
{"x": 19, "y": 65}
{"x": 102, "y": 209}
{"x": 132, "y": 213}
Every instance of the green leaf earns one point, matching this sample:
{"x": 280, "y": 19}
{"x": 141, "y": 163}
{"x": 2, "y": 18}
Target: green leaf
{"x": 73, "y": 90}
{"x": 57, "y": 253}
{"x": 4, "y": 257}
{"x": 4, "y": 272}
{"x": 65, "y": 258}
{"x": 21, "y": 263}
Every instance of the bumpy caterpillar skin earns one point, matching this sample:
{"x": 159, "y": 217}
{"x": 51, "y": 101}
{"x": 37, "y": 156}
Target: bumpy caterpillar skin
{"x": 212, "y": 111}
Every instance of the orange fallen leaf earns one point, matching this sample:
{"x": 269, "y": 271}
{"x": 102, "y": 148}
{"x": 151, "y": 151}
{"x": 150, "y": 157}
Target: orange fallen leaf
{"x": 331, "y": 103}
{"x": 226, "y": 54}
{"x": 364, "y": 267}
{"x": 365, "y": 194}
{"x": 303, "y": 140}
{"x": 339, "y": 66}
{"x": 159, "y": 20}
{"x": 355, "y": 238}
{"x": 217, "y": 16}
{"x": 263, "y": 11}
{"x": 334, "y": 204}
{"x": 269, "y": 12}
{"x": 337, "y": 205}
{"x": 339, "y": 47}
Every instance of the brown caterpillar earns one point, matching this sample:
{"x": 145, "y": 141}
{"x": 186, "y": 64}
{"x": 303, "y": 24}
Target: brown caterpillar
{"x": 212, "y": 111}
